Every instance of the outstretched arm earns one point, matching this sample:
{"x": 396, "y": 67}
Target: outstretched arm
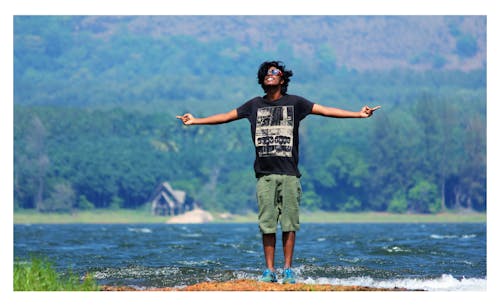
{"x": 189, "y": 119}
{"x": 365, "y": 112}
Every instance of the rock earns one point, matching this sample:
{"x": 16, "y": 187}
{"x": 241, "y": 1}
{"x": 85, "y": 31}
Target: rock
{"x": 195, "y": 216}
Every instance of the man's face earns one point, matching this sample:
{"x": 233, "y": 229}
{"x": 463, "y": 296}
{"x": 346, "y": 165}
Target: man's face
{"x": 273, "y": 77}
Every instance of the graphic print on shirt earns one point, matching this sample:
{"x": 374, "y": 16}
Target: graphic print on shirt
{"x": 274, "y": 131}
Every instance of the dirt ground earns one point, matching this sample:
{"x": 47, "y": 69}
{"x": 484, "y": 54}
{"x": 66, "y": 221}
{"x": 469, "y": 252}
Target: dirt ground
{"x": 253, "y": 285}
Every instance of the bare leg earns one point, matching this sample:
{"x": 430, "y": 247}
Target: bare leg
{"x": 269, "y": 243}
{"x": 288, "y": 245}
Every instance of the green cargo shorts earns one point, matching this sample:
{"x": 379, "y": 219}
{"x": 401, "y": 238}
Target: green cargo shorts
{"x": 278, "y": 197}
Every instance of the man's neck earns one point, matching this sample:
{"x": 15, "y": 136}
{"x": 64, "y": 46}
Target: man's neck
{"x": 273, "y": 94}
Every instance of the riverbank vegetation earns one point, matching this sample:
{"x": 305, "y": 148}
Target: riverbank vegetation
{"x": 408, "y": 159}
{"x": 38, "y": 274}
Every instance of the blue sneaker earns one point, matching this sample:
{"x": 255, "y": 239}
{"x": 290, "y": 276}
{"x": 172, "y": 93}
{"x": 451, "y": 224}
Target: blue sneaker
{"x": 268, "y": 276}
{"x": 288, "y": 276}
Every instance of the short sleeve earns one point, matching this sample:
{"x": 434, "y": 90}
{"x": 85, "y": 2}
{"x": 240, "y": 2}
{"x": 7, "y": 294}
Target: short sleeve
{"x": 304, "y": 107}
{"x": 245, "y": 110}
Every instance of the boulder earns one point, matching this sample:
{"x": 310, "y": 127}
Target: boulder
{"x": 194, "y": 216}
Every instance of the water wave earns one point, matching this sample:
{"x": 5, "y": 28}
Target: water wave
{"x": 444, "y": 283}
{"x": 465, "y": 236}
{"x": 140, "y": 230}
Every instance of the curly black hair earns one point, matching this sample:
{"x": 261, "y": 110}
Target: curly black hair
{"x": 264, "y": 67}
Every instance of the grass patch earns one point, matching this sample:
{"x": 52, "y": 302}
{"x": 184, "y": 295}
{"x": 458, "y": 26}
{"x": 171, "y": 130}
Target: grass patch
{"x": 39, "y": 275}
{"x": 371, "y": 217}
{"x": 105, "y": 216}
{"x": 375, "y": 217}
{"x": 96, "y": 216}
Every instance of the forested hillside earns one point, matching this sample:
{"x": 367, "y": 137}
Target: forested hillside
{"x": 95, "y": 100}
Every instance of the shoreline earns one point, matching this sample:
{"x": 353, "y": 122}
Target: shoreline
{"x": 123, "y": 216}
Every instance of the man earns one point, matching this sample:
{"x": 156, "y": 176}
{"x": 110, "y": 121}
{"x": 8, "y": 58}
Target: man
{"x": 274, "y": 120}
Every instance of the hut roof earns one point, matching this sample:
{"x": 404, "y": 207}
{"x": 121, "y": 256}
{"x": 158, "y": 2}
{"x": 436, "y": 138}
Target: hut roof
{"x": 166, "y": 191}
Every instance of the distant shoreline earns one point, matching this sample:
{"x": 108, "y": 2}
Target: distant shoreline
{"x": 141, "y": 216}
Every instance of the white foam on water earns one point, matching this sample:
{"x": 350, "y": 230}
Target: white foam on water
{"x": 468, "y": 236}
{"x": 396, "y": 249}
{"x": 135, "y": 272}
{"x": 191, "y": 235}
{"x": 435, "y": 236}
{"x": 444, "y": 283}
{"x": 196, "y": 263}
{"x": 465, "y": 236}
{"x": 350, "y": 260}
{"x": 140, "y": 230}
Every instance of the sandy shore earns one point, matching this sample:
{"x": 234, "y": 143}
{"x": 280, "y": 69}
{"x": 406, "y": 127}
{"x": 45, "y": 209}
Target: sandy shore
{"x": 253, "y": 285}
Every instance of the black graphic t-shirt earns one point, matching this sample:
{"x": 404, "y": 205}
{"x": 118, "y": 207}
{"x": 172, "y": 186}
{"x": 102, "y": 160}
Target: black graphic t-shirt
{"x": 275, "y": 132}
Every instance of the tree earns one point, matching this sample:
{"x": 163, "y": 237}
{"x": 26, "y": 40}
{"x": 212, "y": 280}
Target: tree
{"x": 398, "y": 203}
{"x": 394, "y": 156}
{"x": 61, "y": 199}
{"x": 30, "y": 170}
{"x": 424, "y": 197}
{"x": 470, "y": 187}
{"x": 116, "y": 203}
{"x": 347, "y": 171}
{"x": 438, "y": 123}
{"x": 84, "y": 204}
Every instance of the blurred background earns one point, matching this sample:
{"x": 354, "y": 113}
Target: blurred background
{"x": 95, "y": 100}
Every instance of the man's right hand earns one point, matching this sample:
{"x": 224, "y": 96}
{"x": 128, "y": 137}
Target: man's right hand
{"x": 187, "y": 119}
